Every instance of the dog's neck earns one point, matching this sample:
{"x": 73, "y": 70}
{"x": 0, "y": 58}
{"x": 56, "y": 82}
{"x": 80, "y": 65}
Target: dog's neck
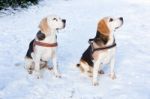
{"x": 103, "y": 40}
{"x": 51, "y": 38}
{"x": 111, "y": 40}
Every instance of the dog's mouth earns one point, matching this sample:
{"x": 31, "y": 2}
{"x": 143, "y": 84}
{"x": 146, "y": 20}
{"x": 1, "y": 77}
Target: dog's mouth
{"x": 121, "y": 23}
{"x": 60, "y": 28}
{"x": 119, "y": 26}
{"x": 57, "y": 29}
{"x": 64, "y": 25}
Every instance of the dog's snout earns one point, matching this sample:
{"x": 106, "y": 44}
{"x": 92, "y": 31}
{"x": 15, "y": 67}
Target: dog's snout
{"x": 121, "y": 18}
{"x": 64, "y": 21}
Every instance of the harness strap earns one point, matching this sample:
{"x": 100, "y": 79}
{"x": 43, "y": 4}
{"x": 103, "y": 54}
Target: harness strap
{"x": 107, "y": 47}
{"x": 91, "y": 40}
{"x": 45, "y": 44}
{"x": 101, "y": 48}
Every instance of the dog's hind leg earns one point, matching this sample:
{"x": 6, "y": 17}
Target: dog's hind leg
{"x": 29, "y": 65}
{"x": 43, "y": 64}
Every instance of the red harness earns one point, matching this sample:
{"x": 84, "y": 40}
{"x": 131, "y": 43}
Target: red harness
{"x": 45, "y": 44}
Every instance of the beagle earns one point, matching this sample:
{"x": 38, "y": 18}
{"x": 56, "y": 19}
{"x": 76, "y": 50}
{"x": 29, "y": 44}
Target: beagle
{"x": 44, "y": 47}
{"x": 101, "y": 50}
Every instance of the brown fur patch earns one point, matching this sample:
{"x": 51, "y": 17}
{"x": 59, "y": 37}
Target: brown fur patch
{"x": 44, "y": 26}
{"x": 103, "y": 28}
{"x": 82, "y": 62}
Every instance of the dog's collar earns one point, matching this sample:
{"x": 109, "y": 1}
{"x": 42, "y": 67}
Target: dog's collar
{"x": 45, "y": 44}
{"x": 101, "y": 48}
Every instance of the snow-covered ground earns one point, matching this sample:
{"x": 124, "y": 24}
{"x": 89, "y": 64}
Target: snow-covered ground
{"x": 132, "y": 59}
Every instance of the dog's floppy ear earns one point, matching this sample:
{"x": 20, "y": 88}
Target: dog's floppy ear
{"x": 44, "y": 26}
{"x": 103, "y": 28}
{"x": 40, "y": 35}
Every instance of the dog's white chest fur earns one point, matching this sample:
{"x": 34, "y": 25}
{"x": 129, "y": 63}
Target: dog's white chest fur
{"x": 107, "y": 56}
{"x": 45, "y": 53}
{"x": 48, "y": 54}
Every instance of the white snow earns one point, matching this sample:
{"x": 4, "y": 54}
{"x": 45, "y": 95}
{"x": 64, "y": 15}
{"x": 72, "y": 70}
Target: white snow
{"x": 132, "y": 59}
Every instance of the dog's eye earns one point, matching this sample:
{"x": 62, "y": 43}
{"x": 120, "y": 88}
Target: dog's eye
{"x": 55, "y": 19}
{"x": 110, "y": 20}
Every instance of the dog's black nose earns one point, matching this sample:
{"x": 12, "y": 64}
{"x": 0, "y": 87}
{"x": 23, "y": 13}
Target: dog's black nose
{"x": 64, "y": 21}
{"x": 121, "y": 18}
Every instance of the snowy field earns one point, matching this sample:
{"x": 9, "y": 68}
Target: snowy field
{"x": 132, "y": 59}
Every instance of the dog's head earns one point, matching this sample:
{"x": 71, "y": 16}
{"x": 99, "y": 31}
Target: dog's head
{"x": 109, "y": 24}
{"x": 51, "y": 23}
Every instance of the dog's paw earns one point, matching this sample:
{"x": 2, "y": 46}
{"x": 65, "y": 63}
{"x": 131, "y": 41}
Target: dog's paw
{"x": 95, "y": 83}
{"x": 89, "y": 74}
{"x": 37, "y": 75}
{"x": 30, "y": 71}
{"x": 112, "y": 76}
{"x": 101, "y": 72}
{"x": 58, "y": 75}
{"x": 50, "y": 68}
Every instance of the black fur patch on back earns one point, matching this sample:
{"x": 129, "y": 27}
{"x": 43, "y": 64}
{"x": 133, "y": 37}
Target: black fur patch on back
{"x": 40, "y": 35}
{"x": 87, "y": 56}
{"x": 30, "y": 50}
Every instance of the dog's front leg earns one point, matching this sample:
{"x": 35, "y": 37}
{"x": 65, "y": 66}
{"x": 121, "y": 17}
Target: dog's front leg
{"x": 95, "y": 72}
{"x": 55, "y": 64}
{"x": 37, "y": 66}
{"x": 112, "y": 72}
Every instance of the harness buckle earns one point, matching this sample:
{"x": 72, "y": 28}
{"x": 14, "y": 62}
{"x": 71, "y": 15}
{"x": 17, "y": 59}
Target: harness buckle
{"x": 91, "y": 44}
